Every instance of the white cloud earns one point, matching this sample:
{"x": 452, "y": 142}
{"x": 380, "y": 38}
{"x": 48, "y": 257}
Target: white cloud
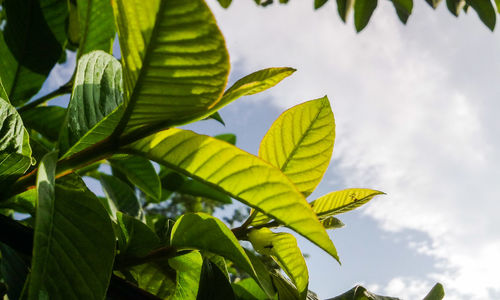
{"x": 415, "y": 112}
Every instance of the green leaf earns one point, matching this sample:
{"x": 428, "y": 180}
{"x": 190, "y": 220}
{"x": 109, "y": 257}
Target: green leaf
{"x": 485, "y": 11}
{"x": 248, "y": 289}
{"x": 360, "y": 293}
{"x": 228, "y": 137}
{"x": 175, "y": 61}
{"x": 97, "y": 29}
{"x": 99, "y": 132}
{"x": 319, "y": 3}
{"x": 74, "y": 243}
{"x": 3, "y": 92}
{"x": 344, "y": 8}
{"x": 121, "y": 196}
{"x": 363, "y": 10}
{"x": 262, "y": 271}
{"x": 140, "y": 172}
{"x": 204, "y": 232}
{"x": 239, "y": 174}
{"x": 434, "y": 3}
{"x": 12, "y": 166}
{"x": 157, "y": 278}
{"x": 403, "y": 9}
{"x": 497, "y": 3}
{"x": 455, "y": 6}
{"x": 285, "y": 288}
{"x": 213, "y": 283}
{"x": 135, "y": 239}
{"x": 199, "y": 189}
{"x": 254, "y": 83}
{"x": 47, "y": 120}
{"x": 332, "y": 223}
{"x": 23, "y": 203}
{"x": 216, "y": 116}
{"x": 436, "y": 293}
{"x": 31, "y": 25}
{"x": 300, "y": 143}
{"x": 13, "y": 270}
{"x": 342, "y": 201}
{"x": 97, "y": 92}
{"x": 283, "y": 248}
{"x": 225, "y": 3}
{"x": 188, "y": 267}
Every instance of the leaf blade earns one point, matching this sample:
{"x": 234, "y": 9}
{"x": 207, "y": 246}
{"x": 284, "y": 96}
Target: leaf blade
{"x": 342, "y": 201}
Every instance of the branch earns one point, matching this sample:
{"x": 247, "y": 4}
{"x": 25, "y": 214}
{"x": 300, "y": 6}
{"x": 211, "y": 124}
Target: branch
{"x": 64, "y": 89}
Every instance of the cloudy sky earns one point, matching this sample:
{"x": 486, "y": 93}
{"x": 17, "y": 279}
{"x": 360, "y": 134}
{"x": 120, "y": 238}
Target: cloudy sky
{"x": 416, "y": 113}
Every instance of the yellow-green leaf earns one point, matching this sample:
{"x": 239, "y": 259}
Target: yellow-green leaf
{"x": 175, "y": 61}
{"x": 342, "y": 201}
{"x": 300, "y": 143}
{"x": 237, "y": 173}
{"x": 283, "y": 248}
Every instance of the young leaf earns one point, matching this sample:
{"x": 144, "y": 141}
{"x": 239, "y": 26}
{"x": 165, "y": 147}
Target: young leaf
{"x": 74, "y": 243}
{"x": 344, "y": 8}
{"x": 239, "y": 174}
{"x": 97, "y": 29}
{"x": 213, "y": 283}
{"x": 283, "y": 248}
{"x": 204, "y": 232}
{"x": 175, "y": 61}
{"x": 140, "y": 172}
{"x": 97, "y": 92}
{"x": 31, "y": 26}
{"x": 121, "y": 196}
{"x": 342, "y": 201}
{"x": 455, "y": 6}
{"x": 485, "y": 11}
{"x": 188, "y": 267}
{"x": 300, "y": 143}
{"x": 363, "y": 10}
{"x": 436, "y": 293}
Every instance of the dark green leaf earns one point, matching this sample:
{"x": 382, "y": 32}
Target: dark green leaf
{"x": 360, "y": 293}
{"x": 31, "y": 25}
{"x": 213, "y": 283}
{"x": 344, "y": 8}
{"x": 47, "y": 120}
{"x": 12, "y": 166}
{"x": 140, "y": 172}
{"x": 121, "y": 196}
{"x": 319, "y": 3}
{"x": 228, "y": 137}
{"x": 455, "y": 6}
{"x": 135, "y": 239}
{"x": 157, "y": 278}
{"x": 436, "y": 293}
{"x": 23, "y": 203}
{"x": 225, "y": 3}
{"x": 285, "y": 288}
{"x": 485, "y": 11}
{"x": 363, "y": 10}
{"x": 332, "y": 223}
{"x": 248, "y": 289}
{"x": 497, "y": 3}
{"x": 216, "y": 116}
{"x": 97, "y": 92}
{"x": 14, "y": 270}
{"x": 403, "y": 9}
{"x": 434, "y": 3}
{"x": 74, "y": 243}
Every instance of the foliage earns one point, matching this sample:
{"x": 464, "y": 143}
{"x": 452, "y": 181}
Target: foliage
{"x": 363, "y": 9}
{"x": 152, "y": 236}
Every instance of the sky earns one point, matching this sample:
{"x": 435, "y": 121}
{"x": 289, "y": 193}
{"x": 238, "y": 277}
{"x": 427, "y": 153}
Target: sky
{"x": 416, "y": 117}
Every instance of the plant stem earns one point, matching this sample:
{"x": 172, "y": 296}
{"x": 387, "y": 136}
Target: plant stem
{"x": 241, "y": 232}
{"x": 64, "y": 89}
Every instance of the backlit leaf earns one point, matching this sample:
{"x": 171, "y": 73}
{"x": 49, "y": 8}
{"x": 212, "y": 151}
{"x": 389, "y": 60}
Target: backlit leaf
{"x": 135, "y": 239}
{"x": 342, "y": 201}
{"x": 300, "y": 143}
{"x": 188, "y": 267}
{"x": 241, "y": 175}
{"x": 204, "y": 232}
{"x": 248, "y": 289}
{"x": 436, "y": 293}
{"x": 175, "y": 61}
{"x": 121, "y": 196}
